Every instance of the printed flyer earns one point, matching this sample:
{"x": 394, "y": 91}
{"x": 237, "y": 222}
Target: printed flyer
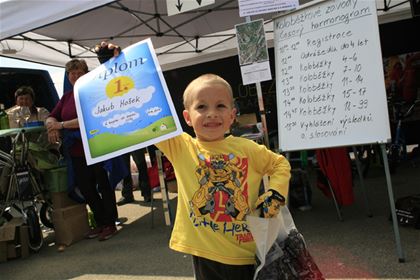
{"x": 124, "y": 105}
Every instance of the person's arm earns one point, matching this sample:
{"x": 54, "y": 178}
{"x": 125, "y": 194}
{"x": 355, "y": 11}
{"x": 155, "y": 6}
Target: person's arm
{"x": 54, "y": 127}
{"x": 53, "y": 134}
{"x": 51, "y": 122}
{"x": 278, "y": 169}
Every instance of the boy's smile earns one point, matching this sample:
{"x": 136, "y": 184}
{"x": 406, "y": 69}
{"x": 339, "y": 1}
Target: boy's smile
{"x": 211, "y": 113}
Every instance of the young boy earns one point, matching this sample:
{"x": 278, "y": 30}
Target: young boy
{"x": 218, "y": 184}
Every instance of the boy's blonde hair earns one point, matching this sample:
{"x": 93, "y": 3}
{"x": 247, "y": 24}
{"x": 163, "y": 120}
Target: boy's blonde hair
{"x": 205, "y": 80}
{"x": 76, "y": 64}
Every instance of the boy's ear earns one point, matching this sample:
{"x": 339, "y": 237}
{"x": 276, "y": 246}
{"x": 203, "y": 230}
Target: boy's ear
{"x": 187, "y": 117}
{"x": 233, "y": 114}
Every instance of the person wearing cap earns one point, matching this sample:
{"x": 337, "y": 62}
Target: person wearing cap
{"x": 25, "y": 97}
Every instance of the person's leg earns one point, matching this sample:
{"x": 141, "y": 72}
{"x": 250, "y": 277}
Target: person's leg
{"x": 108, "y": 201}
{"x": 151, "y": 150}
{"x": 127, "y": 190}
{"x": 140, "y": 161}
{"x": 85, "y": 180}
{"x": 205, "y": 269}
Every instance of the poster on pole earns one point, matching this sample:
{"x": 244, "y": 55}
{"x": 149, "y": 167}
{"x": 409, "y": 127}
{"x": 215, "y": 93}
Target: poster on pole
{"x": 329, "y": 76}
{"x": 124, "y": 105}
{"x": 253, "y": 52}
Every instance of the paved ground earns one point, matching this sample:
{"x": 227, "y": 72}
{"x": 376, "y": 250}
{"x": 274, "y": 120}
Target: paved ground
{"x": 358, "y": 247}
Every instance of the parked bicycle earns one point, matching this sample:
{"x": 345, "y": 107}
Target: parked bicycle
{"x": 20, "y": 187}
{"x": 397, "y": 150}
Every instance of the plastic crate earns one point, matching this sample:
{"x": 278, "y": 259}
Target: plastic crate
{"x": 56, "y": 179}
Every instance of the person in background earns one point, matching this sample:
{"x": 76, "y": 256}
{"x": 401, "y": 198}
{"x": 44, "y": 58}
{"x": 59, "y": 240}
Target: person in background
{"x": 104, "y": 52}
{"x": 143, "y": 179}
{"x": 42, "y": 155}
{"x": 25, "y": 97}
{"x": 92, "y": 180}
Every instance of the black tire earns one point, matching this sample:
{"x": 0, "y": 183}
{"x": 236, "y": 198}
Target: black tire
{"x": 7, "y": 216}
{"x": 45, "y": 214}
{"x": 35, "y": 234}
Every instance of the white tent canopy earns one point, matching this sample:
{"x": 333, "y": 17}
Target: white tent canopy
{"x": 53, "y": 31}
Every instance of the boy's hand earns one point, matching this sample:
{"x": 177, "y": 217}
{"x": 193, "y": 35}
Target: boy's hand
{"x": 105, "y": 51}
{"x": 270, "y": 203}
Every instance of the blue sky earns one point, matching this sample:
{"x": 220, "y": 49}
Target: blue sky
{"x": 56, "y": 73}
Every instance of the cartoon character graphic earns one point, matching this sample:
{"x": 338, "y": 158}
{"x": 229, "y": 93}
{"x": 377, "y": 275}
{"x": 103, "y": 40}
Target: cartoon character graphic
{"x": 217, "y": 174}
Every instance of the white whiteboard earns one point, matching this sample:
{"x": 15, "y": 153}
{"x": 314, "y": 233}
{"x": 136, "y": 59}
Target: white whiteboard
{"x": 329, "y": 76}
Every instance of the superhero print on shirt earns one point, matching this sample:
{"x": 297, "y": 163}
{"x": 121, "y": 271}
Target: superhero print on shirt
{"x": 220, "y": 194}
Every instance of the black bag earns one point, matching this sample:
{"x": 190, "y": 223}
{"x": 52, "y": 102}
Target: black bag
{"x": 300, "y": 193}
{"x": 408, "y": 211}
{"x": 289, "y": 260}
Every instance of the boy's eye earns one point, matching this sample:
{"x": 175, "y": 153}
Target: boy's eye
{"x": 221, "y": 106}
{"x": 200, "y": 106}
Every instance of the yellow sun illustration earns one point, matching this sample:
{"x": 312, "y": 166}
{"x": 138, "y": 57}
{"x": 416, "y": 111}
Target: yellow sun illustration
{"x": 119, "y": 86}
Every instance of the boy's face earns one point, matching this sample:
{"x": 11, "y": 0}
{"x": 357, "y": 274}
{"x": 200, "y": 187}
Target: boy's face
{"x": 210, "y": 112}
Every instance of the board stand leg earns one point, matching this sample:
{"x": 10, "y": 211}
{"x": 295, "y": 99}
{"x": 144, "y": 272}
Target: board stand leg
{"x": 362, "y": 182}
{"x": 169, "y": 219}
{"x": 262, "y": 115}
{"x": 152, "y": 210}
{"x": 400, "y": 252}
{"x": 337, "y": 207}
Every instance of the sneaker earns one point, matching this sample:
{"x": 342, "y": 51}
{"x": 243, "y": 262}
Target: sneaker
{"x": 125, "y": 200}
{"x": 93, "y": 232}
{"x": 147, "y": 198}
{"x": 107, "y": 232}
{"x": 120, "y": 221}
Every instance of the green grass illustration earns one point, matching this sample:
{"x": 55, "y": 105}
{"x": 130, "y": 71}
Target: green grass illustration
{"x": 105, "y": 143}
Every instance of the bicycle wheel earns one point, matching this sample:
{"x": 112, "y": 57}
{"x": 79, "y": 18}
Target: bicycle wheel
{"x": 7, "y": 215}
{"x": 45, "y": 214}
{"x": 35, "y": 234}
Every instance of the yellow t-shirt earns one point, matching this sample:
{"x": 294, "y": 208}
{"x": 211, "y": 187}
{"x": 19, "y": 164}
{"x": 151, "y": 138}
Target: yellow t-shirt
{"x": 218, "y": 185}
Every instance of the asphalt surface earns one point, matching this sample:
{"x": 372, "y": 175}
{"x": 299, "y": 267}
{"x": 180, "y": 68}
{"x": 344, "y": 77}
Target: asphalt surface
{"x": 358, "y": 247}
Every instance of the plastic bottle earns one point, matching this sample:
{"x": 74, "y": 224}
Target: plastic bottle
{"x": 4, "y": 118}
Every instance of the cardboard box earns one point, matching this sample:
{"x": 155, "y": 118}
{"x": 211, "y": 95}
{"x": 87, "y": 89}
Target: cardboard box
{"x": 14, "y": 240}
{"x": 70, "y": 224}
{"x": 62, "y": 200}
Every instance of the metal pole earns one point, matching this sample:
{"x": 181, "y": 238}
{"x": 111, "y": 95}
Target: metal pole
{"x": 164, "y": 191}
{"x": 401, "y": 258}
{"x": 261, "y": 107}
